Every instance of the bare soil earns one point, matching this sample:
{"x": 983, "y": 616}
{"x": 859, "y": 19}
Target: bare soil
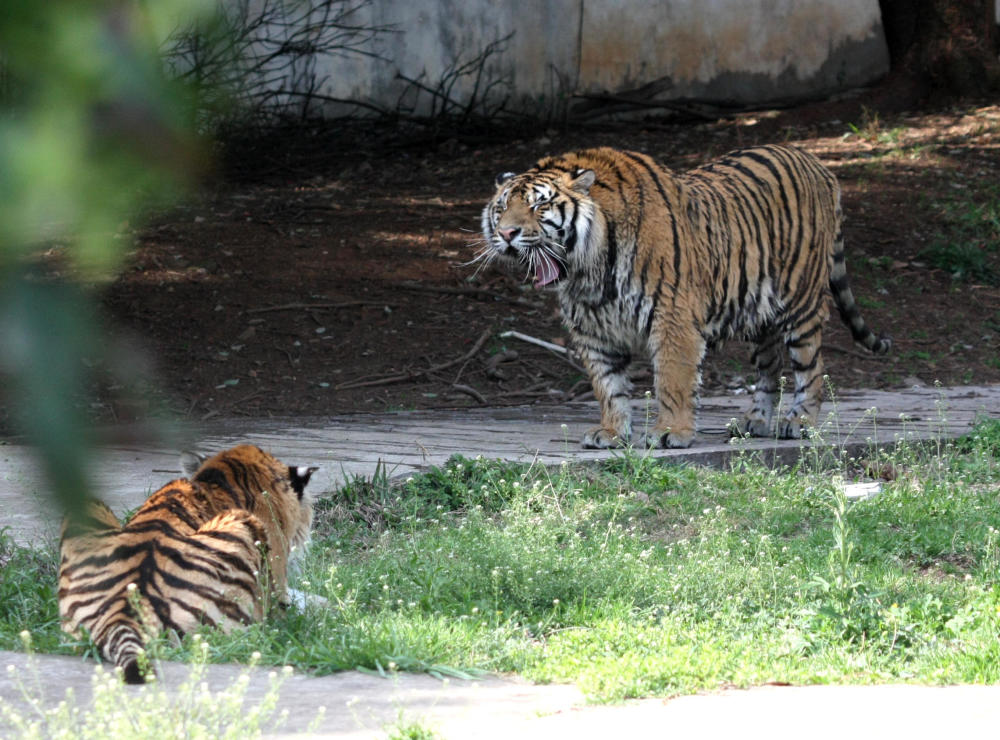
{"x": 342, "y": 284}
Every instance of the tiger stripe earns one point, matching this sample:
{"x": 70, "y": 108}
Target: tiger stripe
{"x": 648, "y": 261}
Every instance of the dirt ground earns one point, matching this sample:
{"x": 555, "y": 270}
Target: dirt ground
{"x": 342, "y": 285}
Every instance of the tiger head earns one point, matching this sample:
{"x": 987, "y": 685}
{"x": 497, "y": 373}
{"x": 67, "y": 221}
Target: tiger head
{"x": 540, "y": 221}
{"x": 247, "y": 468}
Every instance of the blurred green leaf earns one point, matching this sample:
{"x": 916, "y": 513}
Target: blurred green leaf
{"x": 45, "y": 330}
{"x": 92, "y": 134}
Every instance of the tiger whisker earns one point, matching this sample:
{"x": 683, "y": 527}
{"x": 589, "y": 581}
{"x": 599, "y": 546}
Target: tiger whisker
{"x": 551, "y": 251}
{"x": 484, "y": 258}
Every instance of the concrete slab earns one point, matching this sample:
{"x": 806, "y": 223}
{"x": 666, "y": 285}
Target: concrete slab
{"x": 358, "y": 705}
{"x": 817, "y": 712}
{"x": 363, "y": 706}
{"x": 406, "y": 442}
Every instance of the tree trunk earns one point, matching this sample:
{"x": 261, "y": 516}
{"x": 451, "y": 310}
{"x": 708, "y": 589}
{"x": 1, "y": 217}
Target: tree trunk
{"x": 949, "y": 45}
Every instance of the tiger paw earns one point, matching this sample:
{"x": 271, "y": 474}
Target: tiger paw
{"x": 794, "y": 428}
{"x": 601, "y": 438}
{"x": 750, "y": 426}
{"x": 669, "y": 439}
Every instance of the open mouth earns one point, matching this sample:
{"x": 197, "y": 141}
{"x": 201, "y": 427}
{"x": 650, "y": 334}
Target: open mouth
{"x": 546, "y": 268}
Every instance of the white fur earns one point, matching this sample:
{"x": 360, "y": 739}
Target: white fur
{"x": 300, "y": 599}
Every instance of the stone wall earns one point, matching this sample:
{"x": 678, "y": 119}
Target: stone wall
{"x": 742, "y": 51}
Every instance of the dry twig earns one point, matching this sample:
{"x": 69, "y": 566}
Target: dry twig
{"x": 415, "y": 374}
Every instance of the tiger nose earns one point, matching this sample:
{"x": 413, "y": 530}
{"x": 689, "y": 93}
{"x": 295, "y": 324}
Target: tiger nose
{"x": 508, "y": 235}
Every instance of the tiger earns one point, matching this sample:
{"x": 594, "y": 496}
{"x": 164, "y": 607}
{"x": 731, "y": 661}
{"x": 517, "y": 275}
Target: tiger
{"x": 671, "y": 264}
{"x": 208, "y": 549}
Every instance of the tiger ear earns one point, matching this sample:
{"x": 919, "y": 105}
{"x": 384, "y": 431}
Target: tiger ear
{"x": 582, "y": 180}
{"x": 503, "y": 177}
{"x": 299, "y": 476}
{"x": 191, "y": 461}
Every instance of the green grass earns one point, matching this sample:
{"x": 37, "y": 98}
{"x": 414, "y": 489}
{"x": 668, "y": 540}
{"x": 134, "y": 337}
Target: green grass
{"x": 405, "y": 729}
{"x": 636, "y": 578}
{"x": 966, "y": 245}
{"x": 28, "y": 597}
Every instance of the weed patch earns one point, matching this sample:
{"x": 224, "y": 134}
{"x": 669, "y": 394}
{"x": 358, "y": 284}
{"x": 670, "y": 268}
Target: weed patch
{"x": 966, "y": 246}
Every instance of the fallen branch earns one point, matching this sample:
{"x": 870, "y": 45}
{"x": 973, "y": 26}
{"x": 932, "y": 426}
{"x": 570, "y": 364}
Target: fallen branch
{"x": 414, "y": 375}
{"x": 470, "y": 391}
{"x": 535, "y": 341}
{"x": 492, "y": 364}
{"x": 562, "y": 352}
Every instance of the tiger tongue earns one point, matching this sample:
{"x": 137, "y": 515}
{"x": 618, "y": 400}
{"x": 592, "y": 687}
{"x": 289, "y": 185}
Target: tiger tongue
{"x": 546, "y": 270}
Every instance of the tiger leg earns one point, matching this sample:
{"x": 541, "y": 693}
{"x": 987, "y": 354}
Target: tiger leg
{"x": 767, "y": 359}
{"x": 609, "y": 377}
{"x": 677, "y": 377}
{"x": 278, "y": 568}
{"x": 807, "y": 364}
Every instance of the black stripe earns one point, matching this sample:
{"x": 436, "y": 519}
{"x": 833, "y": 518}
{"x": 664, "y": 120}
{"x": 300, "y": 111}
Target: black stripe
{"x": 670, "y": 211}
{"x": 792, "y": 177}
{"x": 217, "y": 479}
{"x": 244, "y": 479}
{"x": 171, "y": 504}
{"x": 800, "y": 368}
{"x": 779, "y": 191}
{"x": 839, "y": 284}
{"x": 610, "y": 291}
{"x": 652, "y": 313}
{"x": 796, "y": 341}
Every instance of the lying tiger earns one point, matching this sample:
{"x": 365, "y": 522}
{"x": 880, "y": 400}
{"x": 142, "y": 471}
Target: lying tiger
{"x": 648, "y": 261}
{"x": 198, "y": 551}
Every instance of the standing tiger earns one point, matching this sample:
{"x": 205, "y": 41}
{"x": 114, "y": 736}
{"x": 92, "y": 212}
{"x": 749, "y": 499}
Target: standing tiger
{"x": 646, "y": 260}
{"x": 199, "y": 550}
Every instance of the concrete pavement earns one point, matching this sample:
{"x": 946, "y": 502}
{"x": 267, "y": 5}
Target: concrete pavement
{"x": 360, "y": 706}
